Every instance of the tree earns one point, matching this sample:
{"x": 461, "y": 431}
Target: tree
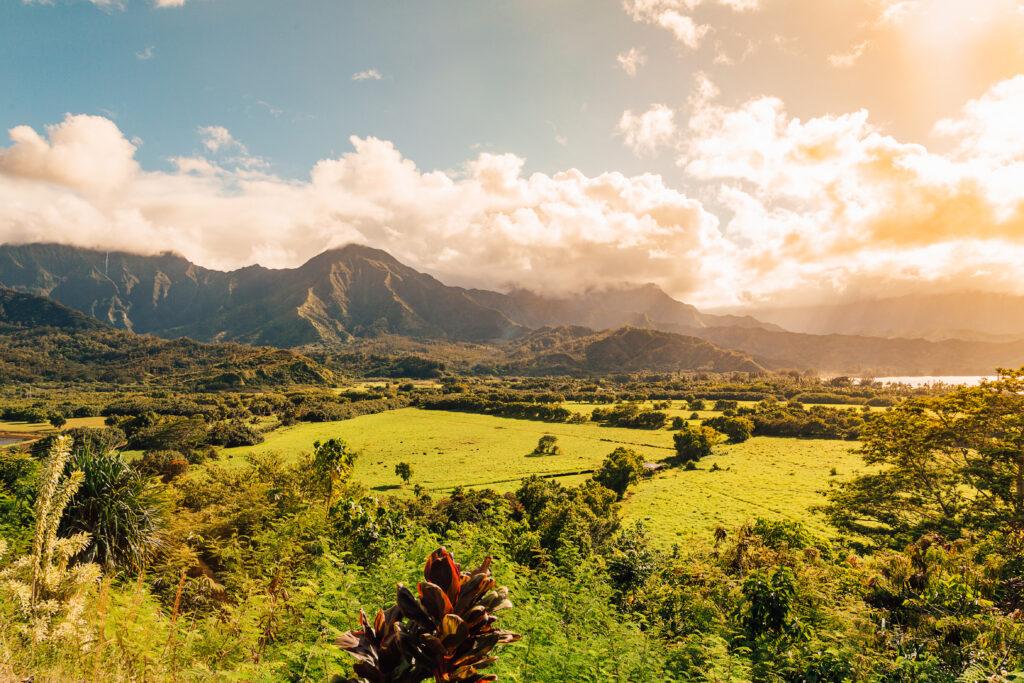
{"x": 404, "y": 470}
{"x": 736, "y": 429}
{"x": 547, "y": 445}
{"x": 333, "y": 462}
{"x": 58, "y": 421}
{"x": 694, "y": 443}
{"x": 944, "y": 464}
{"x": 622, "y": 467}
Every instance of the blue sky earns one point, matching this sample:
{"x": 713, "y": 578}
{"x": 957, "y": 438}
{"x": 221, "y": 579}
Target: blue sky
{"x": 509, "y": 76}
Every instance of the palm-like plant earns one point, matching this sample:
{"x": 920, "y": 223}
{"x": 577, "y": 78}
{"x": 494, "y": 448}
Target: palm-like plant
{"x": 120, "y": 509}
{"x": 447, "y": 632}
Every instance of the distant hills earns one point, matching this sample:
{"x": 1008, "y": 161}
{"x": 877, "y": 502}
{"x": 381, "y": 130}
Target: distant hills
{"x": 359, "y": 293}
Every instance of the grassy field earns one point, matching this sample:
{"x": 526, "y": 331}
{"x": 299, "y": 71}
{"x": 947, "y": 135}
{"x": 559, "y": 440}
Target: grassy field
{"x": 450, "y": 449}
{"x": 767, "y": 477}
{"x": 36, "y": 428}
{"x": 770, "y": 477}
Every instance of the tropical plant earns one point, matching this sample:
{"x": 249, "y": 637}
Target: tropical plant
{"x": 447, "y": 632}
{"x": 120, "y": 509}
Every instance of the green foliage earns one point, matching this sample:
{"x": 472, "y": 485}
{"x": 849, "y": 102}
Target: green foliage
{"x": 695, "y": 443}
{"x": 547, "y": 445}
{"x": 404, "y": 470}
{"x": 736, "y": 429}
{"x": 621, "y": 469}
{"x": 121, "y": 511}
{"x": 332, "y": 461}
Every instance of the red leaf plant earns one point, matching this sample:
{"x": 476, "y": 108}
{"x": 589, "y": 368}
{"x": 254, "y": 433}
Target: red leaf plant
{"x": 447, "y": 632}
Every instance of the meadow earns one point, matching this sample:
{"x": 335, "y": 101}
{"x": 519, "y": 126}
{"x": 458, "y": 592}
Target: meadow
{"x": 777, "y": 478}
{"x": 774, "y": 478}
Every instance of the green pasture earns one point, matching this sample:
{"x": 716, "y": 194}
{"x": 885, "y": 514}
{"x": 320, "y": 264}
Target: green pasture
{"x": 448, "y": 449}
{"x": 764, "y": 477}
{"x": 769, "y": 477}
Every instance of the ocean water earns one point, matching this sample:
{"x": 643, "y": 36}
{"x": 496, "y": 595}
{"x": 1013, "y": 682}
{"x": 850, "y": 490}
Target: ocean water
{"x": 925, "y": 380}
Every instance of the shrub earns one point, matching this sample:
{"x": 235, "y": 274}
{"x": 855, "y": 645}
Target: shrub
{"x": 736, "y": 429}
{"x": 694, "y": 443}
{"x": 547, "y": 445}
{"x": 167, "y": 465}
{"x": 446, "y": 632}
{"x": 117, "y": 506}
{"x": 232, "y": 434}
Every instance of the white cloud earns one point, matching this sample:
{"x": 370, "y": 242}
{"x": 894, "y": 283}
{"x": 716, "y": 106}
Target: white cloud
{"x": 815, "y": 206}
{"x": 676, "y": 16}
{"x": 561, "y": 232}
{"x": 146, "y": 53}
{"x": 845, "y": 60}
{"x": 646, "y": 133}
{"x": 368, "y": 75}
{"x": 631, "y": 60}
{"x": 168, "y": 3}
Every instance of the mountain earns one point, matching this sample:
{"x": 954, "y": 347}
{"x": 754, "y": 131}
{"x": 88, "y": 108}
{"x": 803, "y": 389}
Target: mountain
{"x": 978, "y": 316}
{"x": 579, "y": 350}
{"x": 644, "y": 306}
{"x": 867, "y": 356}
{"x": 25, "y": 310}
{"x": 41, "y": 340}
{"x": 352, "y": 291}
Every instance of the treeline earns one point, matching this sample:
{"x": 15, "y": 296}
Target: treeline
{"x": 543, "y": 412}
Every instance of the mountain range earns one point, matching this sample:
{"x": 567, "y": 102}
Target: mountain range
{"x": 355, "y": 292}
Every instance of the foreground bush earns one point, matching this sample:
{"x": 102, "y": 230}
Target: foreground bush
{"x": 446, "y": 633}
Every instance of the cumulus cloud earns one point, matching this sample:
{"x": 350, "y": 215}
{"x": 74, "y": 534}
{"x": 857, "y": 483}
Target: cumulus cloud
{"x": 676, "y": 16}
{"x": 497, "y": 224}
{"x": 646, "y": 133}
{"x": 833, "y": 201}
{"x": 817, "y": 206}
{"x": 631, "y": 60}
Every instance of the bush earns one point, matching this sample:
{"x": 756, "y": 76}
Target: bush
{"x": 120, "y": 509}
{"x": 736, "y": 429}
{"x": 694, "y": 443}
{"x": 167, "y": 465}
{"x": 232, "y": 434}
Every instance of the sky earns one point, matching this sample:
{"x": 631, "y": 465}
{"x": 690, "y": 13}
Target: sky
{"x": 734, "y": 152}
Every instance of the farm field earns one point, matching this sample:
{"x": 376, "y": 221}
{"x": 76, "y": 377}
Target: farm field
{"x": 767, "y": 477}
{"x": 37, "y": 427}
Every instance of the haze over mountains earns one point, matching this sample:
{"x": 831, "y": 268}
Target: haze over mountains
{"x": 358, "y": 292}
{"x": 978, "y": 316}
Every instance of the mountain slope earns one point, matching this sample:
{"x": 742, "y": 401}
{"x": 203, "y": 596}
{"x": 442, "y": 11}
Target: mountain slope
{"x": 25, "y": 310}
{"x": 874, "y": 356}
{"x": 41, "y": 340}
{"x": 340, "y": 293}
{"x": 644, "y": 306}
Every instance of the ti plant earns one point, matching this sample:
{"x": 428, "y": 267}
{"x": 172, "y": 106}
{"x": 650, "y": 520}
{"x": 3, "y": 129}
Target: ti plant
{"x": 447, "y": 632}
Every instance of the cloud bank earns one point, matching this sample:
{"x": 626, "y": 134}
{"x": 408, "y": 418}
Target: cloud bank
{"x": 790, "y": 207}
